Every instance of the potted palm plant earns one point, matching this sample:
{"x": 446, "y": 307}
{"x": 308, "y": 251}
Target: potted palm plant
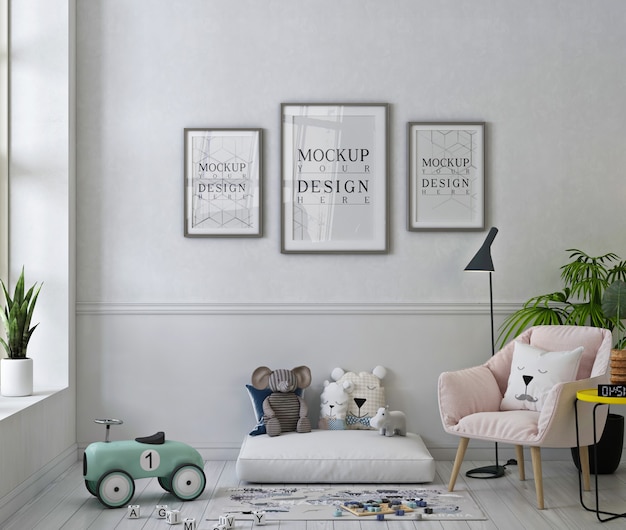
{"x": 614, "y": 308}
{"x": 586, "y": 280}
{"x": 16, "y": 370}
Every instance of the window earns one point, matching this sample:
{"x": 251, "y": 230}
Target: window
{"x": 4, "y": 138}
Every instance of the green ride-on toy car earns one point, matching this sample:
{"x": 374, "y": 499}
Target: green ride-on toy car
{"x": 110, "y": 468}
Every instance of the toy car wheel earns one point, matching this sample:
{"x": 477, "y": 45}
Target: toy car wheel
{"x": 164, "y": 482}
{"x": 115, "y": 489}
{"x": 188, "y": 482}
{"x": 91, "y": 487}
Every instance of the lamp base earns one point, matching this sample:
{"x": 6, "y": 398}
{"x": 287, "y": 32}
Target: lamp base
{"x": 494, "y": 471}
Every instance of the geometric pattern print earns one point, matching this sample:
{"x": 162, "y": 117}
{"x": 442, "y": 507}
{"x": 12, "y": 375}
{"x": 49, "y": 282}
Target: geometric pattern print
{"x": 223, "y": 199}
{"x": 456, "y": 144}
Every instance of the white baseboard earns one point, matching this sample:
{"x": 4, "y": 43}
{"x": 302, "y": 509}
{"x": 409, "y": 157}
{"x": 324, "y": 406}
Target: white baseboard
{"x": 230, "y": 451}
{"x": 36, "y": 483}
{"x": 208, "y": 451}
{"x": 225, "y": 452}
{"x": 504, "y": 453}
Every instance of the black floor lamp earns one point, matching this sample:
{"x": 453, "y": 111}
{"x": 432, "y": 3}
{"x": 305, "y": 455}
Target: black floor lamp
{"x": 482, "y": 262}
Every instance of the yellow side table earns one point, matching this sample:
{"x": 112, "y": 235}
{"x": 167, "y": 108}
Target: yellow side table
{"x": 591, "y": 396}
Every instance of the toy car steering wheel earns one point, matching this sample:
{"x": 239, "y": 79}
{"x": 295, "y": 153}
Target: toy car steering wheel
{"x": 108, "y": 422}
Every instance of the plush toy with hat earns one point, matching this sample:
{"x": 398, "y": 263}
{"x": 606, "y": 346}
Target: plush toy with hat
{"x": 283, "y": 410}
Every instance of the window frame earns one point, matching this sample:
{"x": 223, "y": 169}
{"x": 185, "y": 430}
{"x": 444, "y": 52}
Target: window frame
{"x": 5, "y": 72}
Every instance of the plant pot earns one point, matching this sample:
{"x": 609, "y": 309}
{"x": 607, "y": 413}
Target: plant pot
{"x": 618, "y": 367}
{"x": 16, "y": 377}
{"x": 609, "y": 447}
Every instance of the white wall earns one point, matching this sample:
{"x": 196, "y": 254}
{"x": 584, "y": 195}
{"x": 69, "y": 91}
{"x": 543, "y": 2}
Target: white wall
{"x": 169, "y": 329}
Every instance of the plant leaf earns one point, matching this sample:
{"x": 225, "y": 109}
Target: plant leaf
{"x": 614, "y": 300}
{"x": 5, "y": 346}
{"x": 532, "y": 314}
{"x": 614, "y": 307}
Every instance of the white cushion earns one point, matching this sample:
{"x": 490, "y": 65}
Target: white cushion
{"x": 542, "y": 371}
{"x": 323, "y": 456}
{"x": 367, "y": 396}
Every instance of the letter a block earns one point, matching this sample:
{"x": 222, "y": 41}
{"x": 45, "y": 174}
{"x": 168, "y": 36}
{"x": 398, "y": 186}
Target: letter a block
{"x": 189, "y": 523}
{"x": 133, "y": 511}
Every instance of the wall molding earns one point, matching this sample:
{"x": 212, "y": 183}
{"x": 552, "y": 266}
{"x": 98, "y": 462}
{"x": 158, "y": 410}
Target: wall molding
{"x": 281, "y": 308}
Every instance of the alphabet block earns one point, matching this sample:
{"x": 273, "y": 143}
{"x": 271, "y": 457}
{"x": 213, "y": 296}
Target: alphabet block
{"x": 218, "y": 526}
{"x": 189, "y": 523}
{"x": 133, "y": 511}
{"x": 258, "y": 518}
{"x": 172, "y": 516}
{"x": 228, "y": 520}
{"x": 161, "y": 511}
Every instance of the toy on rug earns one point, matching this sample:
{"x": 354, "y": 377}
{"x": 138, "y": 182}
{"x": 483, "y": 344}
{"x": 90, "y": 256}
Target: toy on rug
{"x": 334, "y": 405}
{"x": 378, "y": 507}
{"x": 389, "y": 422}
{"x": 367, "y": 395}
{"x": 109, "y": 468}
{"x": 283, "y": 410}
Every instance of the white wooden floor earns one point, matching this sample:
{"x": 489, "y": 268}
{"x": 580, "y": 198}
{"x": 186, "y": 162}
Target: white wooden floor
{"x": 508, "y": 503}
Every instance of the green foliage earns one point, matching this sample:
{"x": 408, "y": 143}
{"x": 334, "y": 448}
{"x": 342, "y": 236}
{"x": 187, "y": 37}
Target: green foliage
{"x": 585, "y": 280}
{"x": 17, "y": 316}
{"x": 614, "y": 307}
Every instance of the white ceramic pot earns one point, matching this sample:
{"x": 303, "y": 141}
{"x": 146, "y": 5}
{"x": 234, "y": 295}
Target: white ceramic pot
{"x": 16, "y": 377}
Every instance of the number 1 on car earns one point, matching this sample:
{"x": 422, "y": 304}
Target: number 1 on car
{"x": 149, "y": 460}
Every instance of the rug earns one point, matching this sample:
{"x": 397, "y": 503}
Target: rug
{"x": 325, "y": 502}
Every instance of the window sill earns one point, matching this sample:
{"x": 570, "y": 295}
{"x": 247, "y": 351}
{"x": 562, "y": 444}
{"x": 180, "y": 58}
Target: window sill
{"x": 12, "y": 405}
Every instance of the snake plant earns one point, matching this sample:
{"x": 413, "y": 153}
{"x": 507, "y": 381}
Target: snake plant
{"x": 16, "y": 317}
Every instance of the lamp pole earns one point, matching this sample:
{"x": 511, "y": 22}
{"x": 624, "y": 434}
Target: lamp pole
{"x": 482, "y": 262}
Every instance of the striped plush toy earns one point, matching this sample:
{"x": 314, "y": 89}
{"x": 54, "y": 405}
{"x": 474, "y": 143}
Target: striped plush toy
{"x": 283, "y": 410}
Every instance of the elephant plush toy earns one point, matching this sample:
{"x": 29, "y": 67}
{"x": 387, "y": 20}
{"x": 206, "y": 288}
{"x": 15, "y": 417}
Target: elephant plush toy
{"x": 283, "y": 410}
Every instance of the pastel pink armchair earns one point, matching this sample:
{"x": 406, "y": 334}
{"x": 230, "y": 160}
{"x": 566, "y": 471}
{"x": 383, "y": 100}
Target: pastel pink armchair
{"x": 470, "y": 401}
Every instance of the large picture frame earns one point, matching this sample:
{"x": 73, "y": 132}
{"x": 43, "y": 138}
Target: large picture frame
{"x": 446, "y": 176}
{"x": 334, "y": 178}
{"x": 223, "y": 183}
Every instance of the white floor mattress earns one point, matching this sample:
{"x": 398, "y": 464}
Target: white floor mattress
{"x": 349, "y": 456}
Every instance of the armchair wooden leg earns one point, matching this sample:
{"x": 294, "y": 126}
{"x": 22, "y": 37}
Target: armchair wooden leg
{"x": 583, "y": 456}
{"x": 535, "y": 453}
{"x": 519, "y": 454}
{"x": 460, "y": 454}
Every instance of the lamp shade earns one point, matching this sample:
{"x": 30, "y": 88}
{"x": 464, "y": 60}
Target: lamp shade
{"x": 482, "y": 260}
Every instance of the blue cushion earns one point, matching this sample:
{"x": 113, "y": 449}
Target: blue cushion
{"x": 257, "y": 397}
